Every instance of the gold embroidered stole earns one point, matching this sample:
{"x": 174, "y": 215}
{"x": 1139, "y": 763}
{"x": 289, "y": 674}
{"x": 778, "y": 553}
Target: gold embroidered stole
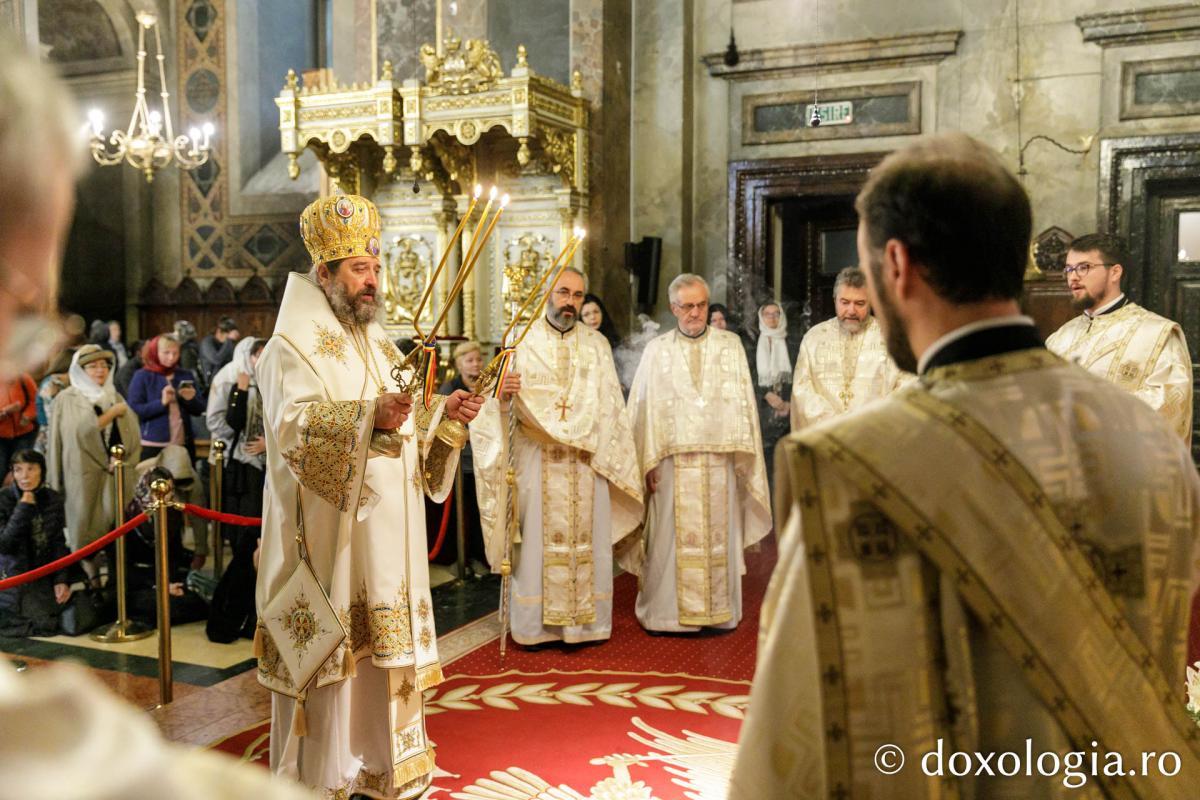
{"x": 568, "y": 495}
{"x": 1132, "y": 337}
{"x": 851, "y": 348}
{"x": 701, "y": 521}
{"x": 701, "y": 501}
{"x": 1130, "y": 708}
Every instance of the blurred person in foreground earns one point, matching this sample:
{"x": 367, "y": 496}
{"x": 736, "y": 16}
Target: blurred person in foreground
{"x": 997, "y": 557}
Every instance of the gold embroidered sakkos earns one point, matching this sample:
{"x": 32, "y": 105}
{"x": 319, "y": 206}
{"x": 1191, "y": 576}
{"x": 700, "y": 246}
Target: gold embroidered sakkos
{"x": 330, "y": 343}
{"x": 325, "y": 458}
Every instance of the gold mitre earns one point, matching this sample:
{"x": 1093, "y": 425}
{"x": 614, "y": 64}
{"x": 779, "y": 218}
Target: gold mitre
{"x": 341, "y": 226}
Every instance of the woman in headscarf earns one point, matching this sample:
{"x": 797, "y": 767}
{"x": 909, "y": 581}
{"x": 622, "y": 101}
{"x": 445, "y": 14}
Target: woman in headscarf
{"x": 165, "y": 397}
{"x": 87, "y": 419}
{"x": 773, "y": 370}
{"x": 235, "y": 416}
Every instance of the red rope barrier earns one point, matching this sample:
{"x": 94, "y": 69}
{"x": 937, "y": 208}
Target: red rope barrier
{"x": 229, "y": 519}
{"x": 65, "y": 561}
{"x": 441, "y": 537}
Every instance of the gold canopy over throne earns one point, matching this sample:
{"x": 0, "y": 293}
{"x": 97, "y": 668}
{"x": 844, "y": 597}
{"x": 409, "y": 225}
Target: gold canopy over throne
{"x": 418, "y": 149}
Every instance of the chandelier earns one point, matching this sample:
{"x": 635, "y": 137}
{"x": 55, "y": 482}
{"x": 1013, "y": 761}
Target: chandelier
{"x": 150, "y": 143}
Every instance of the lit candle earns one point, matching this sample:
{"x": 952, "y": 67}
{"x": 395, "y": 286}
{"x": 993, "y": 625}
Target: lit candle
{"x": 465, "y": 271}
{"x": 462, "y": 223}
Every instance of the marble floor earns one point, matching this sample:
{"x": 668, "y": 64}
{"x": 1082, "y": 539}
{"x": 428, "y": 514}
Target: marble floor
{"x": 215, "y": 691}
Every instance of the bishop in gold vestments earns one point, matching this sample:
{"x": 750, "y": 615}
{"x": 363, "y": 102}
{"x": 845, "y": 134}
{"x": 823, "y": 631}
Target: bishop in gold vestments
{"x": 578, "y": 490}
{"x": 358, "y": 492}
{"x": 695, "y": 422}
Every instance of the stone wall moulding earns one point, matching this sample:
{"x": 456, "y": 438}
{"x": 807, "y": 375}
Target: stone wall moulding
{"x": 906, "y": 50}
{"x": 1163, "y": 87}
{"x": 1161, "y": 24}
{"x": 465, "y": 95}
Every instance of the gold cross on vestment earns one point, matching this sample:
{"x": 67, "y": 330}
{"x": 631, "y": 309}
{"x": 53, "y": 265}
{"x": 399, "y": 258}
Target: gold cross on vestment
{"x": 846, "y": 396}
{"x": 563, "y": 408}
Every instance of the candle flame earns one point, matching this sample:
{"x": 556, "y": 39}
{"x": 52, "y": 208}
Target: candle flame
{"x": 492, "y": 194}
{"x": 504, "y": 201}
{"x": 478, "y": 190}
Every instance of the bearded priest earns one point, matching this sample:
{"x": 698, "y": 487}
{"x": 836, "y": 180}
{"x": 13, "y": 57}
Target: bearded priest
{"x": 695, "y": 422}
{"x": 578, "y": 491}
{"x": 346, "y": 641}
{"x": 842, "y": 364}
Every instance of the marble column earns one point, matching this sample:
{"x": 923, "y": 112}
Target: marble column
{"x": 601, "y": 52}
{"x": 401, "y": 27}
{"x": 353, "y": 57}
{"x": 662, "y": 186}
{"x": 467, "y": 19}
{"x": 710, "y": 256}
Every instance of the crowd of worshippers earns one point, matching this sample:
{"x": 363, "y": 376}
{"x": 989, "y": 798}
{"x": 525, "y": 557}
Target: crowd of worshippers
{"x": 155, "y": 398}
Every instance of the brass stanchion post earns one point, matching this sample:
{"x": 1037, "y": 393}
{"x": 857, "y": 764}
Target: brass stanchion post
{"x": 162, "y": 572}
{"x": 124, "y": 629}
{"x": 460, "y": 538}
{"x": 214, "y": 502}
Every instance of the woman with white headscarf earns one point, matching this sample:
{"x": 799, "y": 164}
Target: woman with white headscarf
{"x": 235, "y": 416}
{"x": 87, "y": 419}
{"x": 773, "y": 365}
{"x": 773, "y": 370}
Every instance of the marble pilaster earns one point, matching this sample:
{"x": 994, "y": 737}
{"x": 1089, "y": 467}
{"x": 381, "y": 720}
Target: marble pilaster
{"x": 662, "y": 182}
{"x": 401, "y": 27}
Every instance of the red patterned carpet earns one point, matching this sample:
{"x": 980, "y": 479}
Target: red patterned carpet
{"x": 662, "y": 711}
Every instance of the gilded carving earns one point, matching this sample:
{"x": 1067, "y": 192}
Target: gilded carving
{"x": 462, "y": 68}
{"x": 407, "y": 265}
{"x": 558, "y": 150}
{"x": 525, "y": 257}
{"x": 457, "y": 159}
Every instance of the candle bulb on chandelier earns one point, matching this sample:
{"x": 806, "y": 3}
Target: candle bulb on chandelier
{"x": 96, "y": 118}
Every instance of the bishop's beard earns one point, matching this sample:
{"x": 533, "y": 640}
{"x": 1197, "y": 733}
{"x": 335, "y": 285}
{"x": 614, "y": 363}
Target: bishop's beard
{"x": 360, "y": 310}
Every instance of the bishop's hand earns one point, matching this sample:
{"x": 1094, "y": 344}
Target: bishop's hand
{"x": 391, "y": 410}
{"x": 462, "y": 406}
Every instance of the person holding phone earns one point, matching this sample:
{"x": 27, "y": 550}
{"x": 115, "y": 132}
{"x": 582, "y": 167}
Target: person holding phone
{"x": 165, "y": 397}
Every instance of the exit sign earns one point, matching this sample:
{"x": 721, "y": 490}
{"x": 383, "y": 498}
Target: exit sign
{"x": 838, "y": 113}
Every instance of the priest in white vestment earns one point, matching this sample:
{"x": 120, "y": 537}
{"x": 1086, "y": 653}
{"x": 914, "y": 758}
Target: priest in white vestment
{"x": 578, "y": 489}
{"x": 984, "y": 579}
{"x": 349, "y": 457}
{"x": 1120, "y": 341}
{"x": 843, "y": 364}
{"x": 695, "y": 422}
